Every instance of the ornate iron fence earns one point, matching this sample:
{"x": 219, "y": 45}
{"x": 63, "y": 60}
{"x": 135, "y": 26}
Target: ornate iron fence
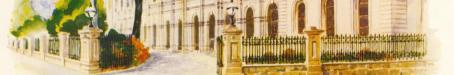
{"x": 352, "y": 48}
{"x": 116, "y": 51}
{"x": 74, "y": 47}
{"x": 54, "y": 45}
{"x": 277, "y": 50}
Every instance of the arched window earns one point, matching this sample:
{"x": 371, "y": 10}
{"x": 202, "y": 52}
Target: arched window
{"x": 249, "y": 22}
{"x": 211, "y": 29}
{"x": 272, "y": 20}
{"x": 301, "y": 18}
{"x": 168, "y": 35}
{"x": 196, "y": 32}
{"x": 211, "y": 24}
{"x": 180, "y": 34}
{"x": 329, "y": 17}
{"x": 363, "y": 12}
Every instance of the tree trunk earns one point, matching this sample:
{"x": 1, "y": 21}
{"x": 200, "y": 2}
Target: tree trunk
{"x": 137, "y": 19}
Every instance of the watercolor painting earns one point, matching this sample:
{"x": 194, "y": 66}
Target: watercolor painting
{"x": 222, "y": 37}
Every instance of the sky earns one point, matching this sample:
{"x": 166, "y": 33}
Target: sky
{"x": 440, "y": 23}
{"x": 43, "y": 7}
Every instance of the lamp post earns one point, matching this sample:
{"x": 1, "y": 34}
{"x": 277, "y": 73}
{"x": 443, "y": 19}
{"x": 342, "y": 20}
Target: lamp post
{"x": 231, "y": 7}
{"x": 92, "y": 14}
{"x": 90, "y": 47}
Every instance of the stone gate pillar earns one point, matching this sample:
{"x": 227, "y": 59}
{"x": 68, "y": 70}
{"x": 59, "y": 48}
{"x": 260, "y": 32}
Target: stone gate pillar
{"x": 231, "y": 50}
{"x": 90, "y": 49}
{"x": 313, "y": 52}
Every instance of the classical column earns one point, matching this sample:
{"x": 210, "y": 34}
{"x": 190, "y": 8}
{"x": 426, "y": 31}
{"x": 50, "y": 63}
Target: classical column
{"x": 90, "y": 49}
{"x": 63, "y": 38}
{"x": 313, "y": 52}
{"x": 231, "y": 50}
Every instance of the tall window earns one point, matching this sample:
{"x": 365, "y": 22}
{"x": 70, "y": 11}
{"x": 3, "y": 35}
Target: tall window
{"x": 211, "y": 29}
{"x": 272, "y": 20}
{"x": 211, "y": 24}
{"x": 301, "y": 18}
{"x": 168, "y": 34}
{"x": 249, "y": 22}
{"x": 180, "y": 34}
{"x": 196, "y": 32}
{"x": 154, "y": 35}
{"x": 363, "y": 12}
{"x": 329, "y": 17}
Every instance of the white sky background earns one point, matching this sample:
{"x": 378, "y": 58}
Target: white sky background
{"x": 43, "y": 7}
{"x": 441, "y": 20}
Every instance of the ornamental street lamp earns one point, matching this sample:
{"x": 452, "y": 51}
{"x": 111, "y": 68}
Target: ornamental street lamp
{"x": 231, "y": 7}
{"x": 92, "y": 14}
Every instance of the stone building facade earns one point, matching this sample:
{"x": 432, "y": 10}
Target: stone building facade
{"x": 194, "y": 24}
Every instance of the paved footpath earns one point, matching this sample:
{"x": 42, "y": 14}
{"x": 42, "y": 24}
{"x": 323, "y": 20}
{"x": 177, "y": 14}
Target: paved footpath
{"x": 161, "y": 63}
{"x": 174, "y": 63}
{"x": 27, "y": 65}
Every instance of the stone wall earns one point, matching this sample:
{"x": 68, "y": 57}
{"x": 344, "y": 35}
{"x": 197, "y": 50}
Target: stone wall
{"x": 350, "y": 68}
{"x": 275, "y": 70}
{"x": 378, "y": 68}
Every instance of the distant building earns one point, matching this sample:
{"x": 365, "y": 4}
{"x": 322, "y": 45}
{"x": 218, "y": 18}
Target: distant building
{"x": 194, "y": 24}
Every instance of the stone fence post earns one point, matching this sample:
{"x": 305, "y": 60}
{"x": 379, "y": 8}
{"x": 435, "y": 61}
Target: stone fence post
{"x": 63, "y": 38}
{"x": 44, "y": 45}
{"x": 22, "y": 46}
{"x": 313, "y": 52}
{"x": 231, "y": 51}
{"x": 90, "y": 49}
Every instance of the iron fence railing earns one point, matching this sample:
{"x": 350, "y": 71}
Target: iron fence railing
{"x": 54, "y": 45}
{"x": 352, "y": 48}
{"x": 74, "y": 47}
{"x": 18, "y": 44}
{"x": 26, "y": 44}
{"x": 116, "y": 51}
{"x": 274, "y": 50}
{"x": 36, "y": 44}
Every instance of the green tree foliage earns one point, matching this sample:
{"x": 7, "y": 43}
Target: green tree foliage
{"x": 68, "y": 16}
{"x": 72, "y": 13}
{"x": 102, "y": 16}
{"x": 29, "y": 26}
{"x": 25, "y": 21}
{"x": 22, "y": 12}
{"x": 72, "y": 26}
